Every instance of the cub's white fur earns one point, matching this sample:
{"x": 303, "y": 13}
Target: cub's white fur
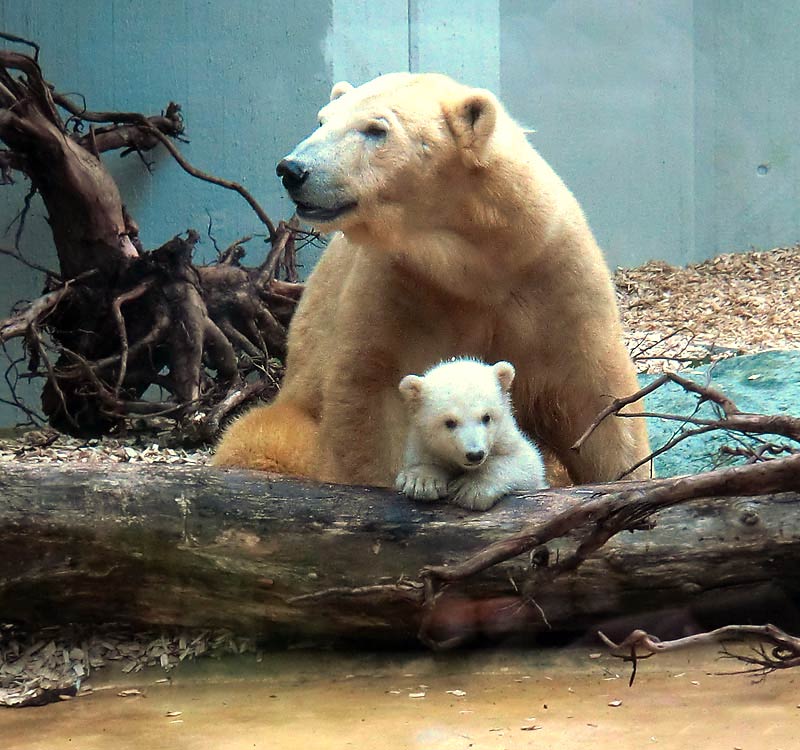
{"x": 463, "y": 441}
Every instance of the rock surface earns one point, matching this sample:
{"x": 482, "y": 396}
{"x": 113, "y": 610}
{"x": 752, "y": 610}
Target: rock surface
{"x": 764, "y": 383}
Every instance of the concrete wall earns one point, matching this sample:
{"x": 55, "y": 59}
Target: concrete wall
{"x": 673, "y": 121}
{"x": 610, "y": 91}
{"x": 747, "y": 110}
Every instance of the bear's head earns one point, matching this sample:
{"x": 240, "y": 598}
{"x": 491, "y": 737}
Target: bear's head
{"x": 391, "y": 153}
{"x": 458, "y": 409}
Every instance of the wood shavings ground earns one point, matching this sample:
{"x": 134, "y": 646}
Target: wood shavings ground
{"x": 737, "y": 303}
{"x": 53, "y": 663}
{"x": 49, "y": 446}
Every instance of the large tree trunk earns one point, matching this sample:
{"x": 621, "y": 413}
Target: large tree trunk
{"x": 289, "y": 561}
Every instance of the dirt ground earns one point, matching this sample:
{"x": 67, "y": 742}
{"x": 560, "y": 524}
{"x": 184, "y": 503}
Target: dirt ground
{"x": 480, "y": 700}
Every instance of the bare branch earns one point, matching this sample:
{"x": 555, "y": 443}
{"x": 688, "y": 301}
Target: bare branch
{"x": 784, "y": 653}
{"x": 732, "y": 420}
{"x": 17, "y": 255}
{"x": 615, "y": 406}
{"x": 629, "y": 506}
{"x": 116, "y": 309}
{"x": 206, "y": 177}
{"x": 35, "y": 82}
{"x": 34, "y": 313}
{"x": 21, "y": 40}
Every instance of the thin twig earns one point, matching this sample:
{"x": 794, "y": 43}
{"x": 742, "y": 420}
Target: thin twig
{"x": 116, "y": 308}
{"x": 615, "y": 406}
{"x": 206, "y": 177}
{"x": 17, "y": 255}
{"x": 21, "y": 40}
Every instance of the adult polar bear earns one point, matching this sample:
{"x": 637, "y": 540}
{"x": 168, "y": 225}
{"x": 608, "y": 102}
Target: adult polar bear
{"x": 456, "y": 238}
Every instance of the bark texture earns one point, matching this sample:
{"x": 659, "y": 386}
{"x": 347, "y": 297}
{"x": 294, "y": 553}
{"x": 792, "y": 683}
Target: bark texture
{"x": 295, "y": 562}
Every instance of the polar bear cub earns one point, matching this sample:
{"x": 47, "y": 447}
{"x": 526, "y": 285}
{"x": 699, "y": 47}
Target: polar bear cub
{"x": 463, "y": 441}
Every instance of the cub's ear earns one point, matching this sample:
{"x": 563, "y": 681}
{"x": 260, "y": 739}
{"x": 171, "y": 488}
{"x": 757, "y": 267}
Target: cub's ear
{"x": 411, "y": 389}
{"x": 471, "y": 121}
{"x": 340, "y": 89}
{"x": 505, "y": 375}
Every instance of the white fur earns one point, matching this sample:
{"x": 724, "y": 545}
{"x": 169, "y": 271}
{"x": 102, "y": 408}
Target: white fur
{"x": 449, "y": 406}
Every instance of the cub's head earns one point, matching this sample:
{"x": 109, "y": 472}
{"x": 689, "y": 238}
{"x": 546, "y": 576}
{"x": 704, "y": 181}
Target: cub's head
{"x": 388, "y": 150}
{"x": 458, "y": 409}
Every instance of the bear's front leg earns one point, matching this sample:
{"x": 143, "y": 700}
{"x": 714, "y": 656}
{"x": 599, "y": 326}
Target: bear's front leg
{"x": 479, "y": 489}
{"x": 359, "y": 438}
{"x": 473, "y": 492}
{"x": 422, "y": 482}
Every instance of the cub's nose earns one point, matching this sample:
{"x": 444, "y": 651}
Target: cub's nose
{"x": 475, "y": 457}
{"x": 292, "y": 173}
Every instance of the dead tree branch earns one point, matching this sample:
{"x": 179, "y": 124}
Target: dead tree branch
{"x": 126, "y": 316}
{"x": 784, "y": 649}
{"x": 631, "y": 506}
{"x": 731, "y": 419}
{"x": 206, "y": 177}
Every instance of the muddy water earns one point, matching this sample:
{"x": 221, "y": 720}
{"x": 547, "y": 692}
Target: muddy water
{"x": 310, "y": 701}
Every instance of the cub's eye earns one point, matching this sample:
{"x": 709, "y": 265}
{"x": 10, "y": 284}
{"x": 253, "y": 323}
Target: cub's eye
{"x": 451, "y": 424}
{"x": 486, "y": 418}
{"x": 375, "y": 130}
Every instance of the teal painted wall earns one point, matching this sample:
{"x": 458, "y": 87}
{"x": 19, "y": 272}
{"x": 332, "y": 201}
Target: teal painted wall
{"x": 658, "y": 113}
{"x": 249, "y": 74}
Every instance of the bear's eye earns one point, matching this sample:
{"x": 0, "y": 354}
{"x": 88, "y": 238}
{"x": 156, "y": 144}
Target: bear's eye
{"x": 451, "y": 424}
{"x": 375, "y": 130}
{"x": 486, "y": 418}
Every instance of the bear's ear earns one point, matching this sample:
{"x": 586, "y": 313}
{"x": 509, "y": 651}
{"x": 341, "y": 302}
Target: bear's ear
{"x": 505, "y": 375}
{"x": 340, "y": 89}
{"x": 471, "y": 121}
{"x": 411, "y": 389}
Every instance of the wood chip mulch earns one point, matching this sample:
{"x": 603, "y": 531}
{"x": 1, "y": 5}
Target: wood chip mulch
{"x": 57, "y": 663}
{"x": 737, "y": 303}
{"x": 48, "y": 446}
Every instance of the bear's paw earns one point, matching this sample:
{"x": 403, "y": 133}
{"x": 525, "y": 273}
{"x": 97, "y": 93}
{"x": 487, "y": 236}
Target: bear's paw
{"x": 473, "y": 492}
{"x": 422, "y": 483}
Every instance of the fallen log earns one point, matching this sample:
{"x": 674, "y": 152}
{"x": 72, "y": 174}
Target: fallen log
{"x": 297, "y": 562}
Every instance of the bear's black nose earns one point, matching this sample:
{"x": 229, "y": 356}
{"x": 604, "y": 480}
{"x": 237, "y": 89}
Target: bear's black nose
{"x": 291, "y": 173}
{"x": 475, "y": 457}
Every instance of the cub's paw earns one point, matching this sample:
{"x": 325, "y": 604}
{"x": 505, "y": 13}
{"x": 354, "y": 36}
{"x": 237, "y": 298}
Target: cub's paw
{"x": 422, "y": 483}
{"x": 472, "y": 493}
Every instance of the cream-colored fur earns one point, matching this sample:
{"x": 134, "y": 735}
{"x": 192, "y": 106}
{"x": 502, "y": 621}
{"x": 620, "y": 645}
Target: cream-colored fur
{"x": 463, "y": 442}
{"x": 455, "y": 238}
